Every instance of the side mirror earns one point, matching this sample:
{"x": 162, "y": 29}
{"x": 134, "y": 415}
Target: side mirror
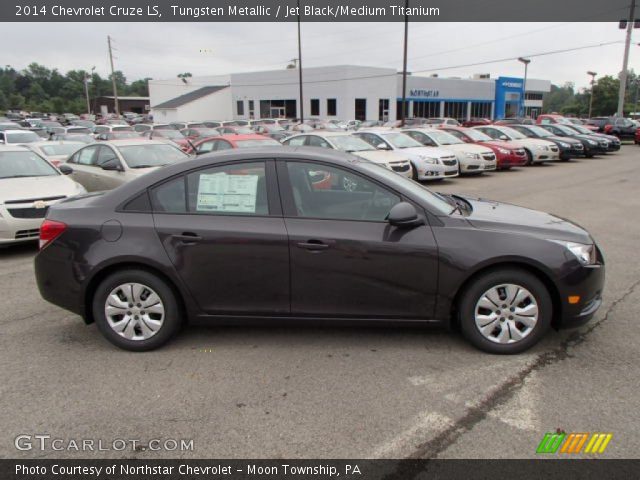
{"x": 113, "y": 164}
{"x": 503, "y": 137}
{"x": 65, "y": 169}
{"x": 382, "y": 146}
{"x": 404, "y": 215}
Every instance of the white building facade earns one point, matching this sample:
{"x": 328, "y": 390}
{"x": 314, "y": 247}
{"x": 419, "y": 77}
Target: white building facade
{"x": 340, "y": 92}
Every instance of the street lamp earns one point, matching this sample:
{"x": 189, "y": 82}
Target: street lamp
{"x": 593, "y": 77}
{"x": 86, "y": 88}
{"x": 526, "y": 62}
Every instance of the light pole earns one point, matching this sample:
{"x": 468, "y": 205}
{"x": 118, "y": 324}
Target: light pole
{"x": 403, "y": 110}
{"x": 625, "y": 60}
{"x": 86, "y": 89}
{"x": 526, "y": 62}
{"x": 300, "y": 68}
{"x": 593, "y": 77}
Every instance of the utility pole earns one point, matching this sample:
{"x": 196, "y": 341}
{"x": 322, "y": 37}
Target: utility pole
{"x": 113, "y": 79}
{"x": 403, "y": 114}
{"x": 625, "y": 60}
{"x": 593, "y": 79}
{"x": 523, "y": 108}
{"x": 87, "y": 76}
{"x": 300, "y": 67}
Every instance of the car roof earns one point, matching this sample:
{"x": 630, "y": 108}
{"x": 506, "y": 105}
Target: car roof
{"x": 16, "y": 130}
{"x": 44, "y": 143}
{"x": 120, "y": 142}
{"x": 13, "y": 148}
{"x": 244, "y": 136}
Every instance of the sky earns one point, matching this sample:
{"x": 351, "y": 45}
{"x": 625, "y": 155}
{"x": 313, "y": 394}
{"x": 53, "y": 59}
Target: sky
{"x": 162, "y": 50}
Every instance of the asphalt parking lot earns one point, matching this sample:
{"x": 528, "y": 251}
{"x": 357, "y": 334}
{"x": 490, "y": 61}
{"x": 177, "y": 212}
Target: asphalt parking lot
{"x": 334, "y": 392}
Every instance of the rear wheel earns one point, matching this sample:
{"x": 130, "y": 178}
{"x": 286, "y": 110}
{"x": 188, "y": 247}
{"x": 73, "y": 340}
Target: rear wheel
{"x": 136, "y": 310}
{"x": 529, "y": 157}
{"x": 505, "y": 311}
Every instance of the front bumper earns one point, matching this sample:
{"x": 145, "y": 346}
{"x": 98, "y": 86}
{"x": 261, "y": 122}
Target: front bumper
{"x": 587, "y": 282}
{"x": 540, "y": 156}
{"x": 430, "y": 171}
{"x": 18, "y": 230}
{"x": 511, "y": 160}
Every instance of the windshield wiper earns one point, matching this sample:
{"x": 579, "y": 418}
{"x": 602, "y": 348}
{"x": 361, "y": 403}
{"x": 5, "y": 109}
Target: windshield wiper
{"x": 146, "y": 166}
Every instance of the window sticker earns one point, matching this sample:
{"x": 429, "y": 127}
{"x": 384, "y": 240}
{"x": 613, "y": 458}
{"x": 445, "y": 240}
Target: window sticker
{"x": 219, "y": 192}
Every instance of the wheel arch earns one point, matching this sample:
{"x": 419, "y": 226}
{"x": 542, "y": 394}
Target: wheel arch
{"x": 107, "y": 270}
{"x": 536, "y": 270}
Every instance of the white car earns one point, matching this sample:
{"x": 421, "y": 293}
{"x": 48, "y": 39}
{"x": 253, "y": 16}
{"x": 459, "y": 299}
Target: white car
{"x": 443, "y": 121}
{"x": 428, "y": 163}
{"x": 107, "y": 165}
{"x": 537, "y": 150}
{"x": 28, "y": 185}
{"x": 16, "y": 137}
{"x": 98, "y": 129}
{"x": 346, "y": 142}
{"x": 473, "y": 159}
{"x": 56, "y": 151}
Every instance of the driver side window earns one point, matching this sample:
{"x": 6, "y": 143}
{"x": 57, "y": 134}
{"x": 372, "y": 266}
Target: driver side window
{"x": 321, "y": 191}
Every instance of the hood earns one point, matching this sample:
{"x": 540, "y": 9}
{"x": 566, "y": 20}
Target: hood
{"x": 489, "y": 215}
{"x": 569, "y": 140}
{"x": 419, "y": 152}
{"x": 29, "y": 188}
{"x": 380, "y": 156}
{"x": 509, "y": 145}
{"x": 468, "y": 148}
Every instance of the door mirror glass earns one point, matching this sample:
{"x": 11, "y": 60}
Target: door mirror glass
{"x": 503, "y": 137}
{"x": 65, "y": 169}
{"x": 404, "y": 215}
{"x": 113, "y": 164}
{"x": 382, "y": 146}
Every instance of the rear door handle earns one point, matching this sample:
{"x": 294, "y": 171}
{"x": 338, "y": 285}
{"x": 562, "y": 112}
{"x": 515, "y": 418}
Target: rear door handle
{"x": 187, "y": 237}
{"x": 313, "y": 245}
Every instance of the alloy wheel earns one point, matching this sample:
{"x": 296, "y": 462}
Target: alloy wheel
{"x": 134, "y": 311}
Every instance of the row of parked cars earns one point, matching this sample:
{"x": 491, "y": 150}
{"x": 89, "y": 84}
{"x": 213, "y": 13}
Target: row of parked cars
{"x": 81, "y": 158}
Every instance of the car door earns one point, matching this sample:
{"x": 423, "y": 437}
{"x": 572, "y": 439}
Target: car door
{"x": 223, "y": 230}
{"x": 346, "y": 260}
{"x": 107, "y": 179}
{"x": 82, "y": 163}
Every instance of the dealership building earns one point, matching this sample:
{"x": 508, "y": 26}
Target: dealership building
{"x": 342, "y": 92}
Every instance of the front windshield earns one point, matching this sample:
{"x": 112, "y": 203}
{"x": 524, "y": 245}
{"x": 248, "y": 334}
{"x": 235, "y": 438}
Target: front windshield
{"x": 349, "y": 143}
{"x": 208, "y": 132}
{"x": 22, "y": 137}
{"x": 60, "y": 148}
{"x": 477, "y": 135}
{"x": 539, "y": 131}
{"x": 123, "y": 129}
{"x": 121, "y": 135}
{"x": 243, "y": 131}
{"x": 438, "y": 205}
{"x": 444, "y": 138}
{"x": 581, "y": 129}
{"x": 76, "y": 138}
{"x": 24, "y": 164}
{"x": 514, "y": 134}
{"x": 267, "y": 142}
{"x": 566, "y": 130}
{"x": 400, "y": 140}
{"x": 145, "y": 156}
{"x": 78, "y": 130}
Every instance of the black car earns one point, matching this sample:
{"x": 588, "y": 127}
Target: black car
{"x": 614, "y": 142}
{"x": 620, "y": 127}
{"x": 272, "y": 234}
{"x": 569, "y": 147}
{"x": 593, "y": 145}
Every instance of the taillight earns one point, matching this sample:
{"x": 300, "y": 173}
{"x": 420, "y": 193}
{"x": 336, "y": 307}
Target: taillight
{"x": 49, "y": 231}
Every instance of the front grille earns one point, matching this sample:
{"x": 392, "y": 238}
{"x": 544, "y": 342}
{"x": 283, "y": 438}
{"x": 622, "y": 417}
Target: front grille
{"x": 33, "y": 233}
{"x": 578, "y": 147}
{"x": 31, "y": 200}
{"x": 451, "y": 172}
{"x": 473, "y": 167}
{"x": 28, "y": 212}
{"x": 449, "y": 161}
{"x": 489, "y": 156}
{"x": 400, "y": 168}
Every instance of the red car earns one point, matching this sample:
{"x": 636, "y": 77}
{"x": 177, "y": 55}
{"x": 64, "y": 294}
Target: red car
{"x": 226, "y": 142}
{"x": 474, "y": 122}
{"x": 637, "y": 137}
{"x": 196, "y": 133}
{"x": 174, "y": 135}
{"x": 507, "y": 154}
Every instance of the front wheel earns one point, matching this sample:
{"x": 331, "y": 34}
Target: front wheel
{"x": 135, "y": 310}
{"x": 529, "y": 158}
{"x": 505, "y": 311}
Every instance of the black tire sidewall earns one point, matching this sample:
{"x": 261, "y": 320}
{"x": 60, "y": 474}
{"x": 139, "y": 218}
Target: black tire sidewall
{"x": 471, "y": 295}
{"x": 171, "y": 322}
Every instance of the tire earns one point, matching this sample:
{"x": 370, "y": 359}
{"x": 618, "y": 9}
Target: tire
{"x": 529, "y": 158}
{"x": 140, "y": 329}
{"x": 414, "y": 173}
{"x": 503, "y": 337}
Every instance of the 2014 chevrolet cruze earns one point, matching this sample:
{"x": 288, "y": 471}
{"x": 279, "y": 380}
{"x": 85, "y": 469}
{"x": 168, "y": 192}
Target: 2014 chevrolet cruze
{"x": 253, "y": 235}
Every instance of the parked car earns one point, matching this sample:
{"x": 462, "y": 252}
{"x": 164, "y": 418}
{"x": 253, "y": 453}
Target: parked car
{"x": 228, "y": 142}
{"x": 237, "y": 123}
{"x": 28, "y": 186}
{"x": 235, "y": 130}
{"x": 14, "y": 137}
{"x": 56, "y": 152}
{"x": 189, "y": 241}
{"x": 593, "y": 144}
{"x": 83, "y": 123}
{"x": 106, "y": 128}
{"x": 276, "y": 132}
{"x": 553, "y": 119}
{"x": 636, "y": 139}
{"x": 598, "y": 123}
{"x": 346, "y": 142}
{"x": 74, "y": 137}
{"x": 569, "y": 147}
{"x": 472, "y": 159}
{"x": 508, "y": 154}
{"x": 538, "y": 151}
{"x": 472, "y": 122}
{"x": 183, "y": 125}
{"x": 169, "y": 134}
{"x": 143, "y": 127}
{"x": 6, "y": 125}
{"x": 68, "y": 129}
{"x": 195, "y": 133}
{"x": 614, "y": 142}
{"x": 623, "y": 128}
{"x": 108, "y": 165}
{"x": 441, "y": 121}
{"x": 428, "y": 163}
{"x": 582, "y": 123}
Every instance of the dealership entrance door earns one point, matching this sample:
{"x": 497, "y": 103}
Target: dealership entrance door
{"x": 361, "y": 109}
{"x": 278, "y": 109}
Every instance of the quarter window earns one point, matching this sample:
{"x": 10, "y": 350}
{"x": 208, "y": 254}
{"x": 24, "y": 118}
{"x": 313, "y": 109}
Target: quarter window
{"x": 321, "y": 191}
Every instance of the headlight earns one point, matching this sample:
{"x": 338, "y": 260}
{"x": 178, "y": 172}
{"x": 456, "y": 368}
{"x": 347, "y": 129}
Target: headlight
{"x": 543, "y": 147}
{"x": 591, "y": 142}
{"x": 504, "y": 151}
{"x": 429, "y": 160}
{"x": 586, "y": 254}
{"x": 564, "y": 145}
{"x": 474, "y": 156}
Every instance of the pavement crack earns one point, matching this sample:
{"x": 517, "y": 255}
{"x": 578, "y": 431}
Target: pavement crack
{"x": 505, "y": 391}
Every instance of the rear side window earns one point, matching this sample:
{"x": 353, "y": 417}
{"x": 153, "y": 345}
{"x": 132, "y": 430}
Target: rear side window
{"x": 238, "y": 189}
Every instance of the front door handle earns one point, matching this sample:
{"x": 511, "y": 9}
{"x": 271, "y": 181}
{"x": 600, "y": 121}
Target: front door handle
{"x": 187, "y": 237}
{"x": 313, "y": 245}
